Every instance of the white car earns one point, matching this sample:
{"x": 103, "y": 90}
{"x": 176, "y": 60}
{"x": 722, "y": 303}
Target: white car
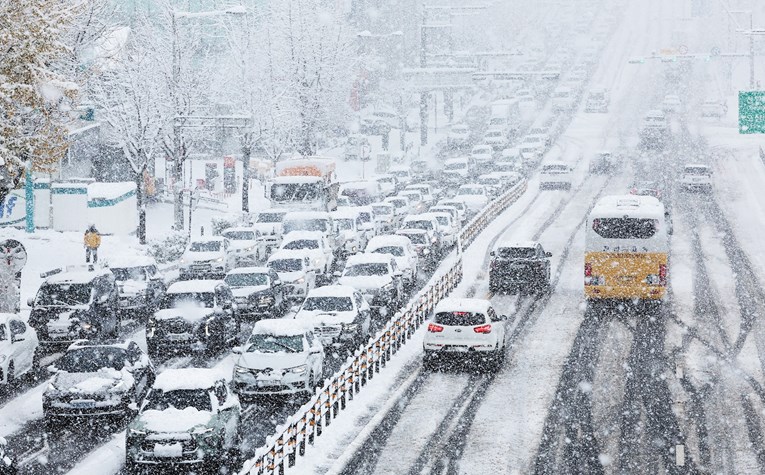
{"x": 388, "y": 184}
{"x": 457, "y": 170}
{"x": 280, "y": 357}
{"x": 451, "y": 210}
{"x": 268, "y": 227}
{"x": 492, "y": 183}
{"x": 402, "y": 251}
{"x": 18, "y": 349}
{"x": 400, "y": 203}
{"x": 347, "y": 225}
{"x": 555, "y": 175}
{"x": 427, "y": 192}
{"x": 655, "y": 119}
{"x": 597, "y": 100}
{"x": 563, "y": 99}
{"x": 339, "y": 314}
{"x": 378, "y": 279}
{"x": 508, "y": 178}
{"x": 295, "y": 271}
{"x": 482, "y": 154}
{"x": 312, "y": 244}
{"x": 671, "y": 103}
{"x": 465, "y": 328}
{"x": 495, "y": 138}
{"x": 459, "y": 135}
{"x": 386, "y": 218}
{"x": 206, "y": 257}
{"x": 474, "y": 196}
{"x": 696, "y": 177}
{"x": 416, "y": 202}
{"x": 448, "y": 227}
{"x": 244, "y": 247}
{"x": 402, "y": 174}
{"x": 713, "y": 108}
{"x": 426, "y": 222}
{"x": 460, "y": 205}
{"x": 542, "y": 132}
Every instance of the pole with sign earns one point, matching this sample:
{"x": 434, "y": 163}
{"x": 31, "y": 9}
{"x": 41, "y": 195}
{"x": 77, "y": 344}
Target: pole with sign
{"x": 751, "y": 112}
{"x": 13, "y": 257}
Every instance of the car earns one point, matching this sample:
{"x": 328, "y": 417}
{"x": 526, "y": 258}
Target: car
{"x": 510, "y": 159}
{"x": 461, "y": 208}
{"x": 380, "y": 122}
{"x": 244, "y": 246}
{"x": 402, "y": 251}
{"x": 603, "y": 161}
{"x": 597, "y": 100}
{"x": 458, "y": 135}
{"x": 296, "y": 272}
{"x": 320, "y": 221}
{"x": 75, "y": 303}
{"x": 474, "y": 196}
{"x": 388, "y": 184}
{"x": 348, "y": 226}
{"x": 696, "y": 176}
{"x": 362, "y": 192}
{"x": 280, "y": 357}
{"x": 465, "y": 328}
{"x": 416, "y": 203}
{"x": 258, "y": 292}
{"x": 314, "y": 245}
{"x": 402, "y": 174}
{"x": 647, "y": 188}
{"x": 458, "y": 170}
{"x": 108, "y": 378}
{"x": 367, "y": 224}
{"x": 508, "y": 178}
{"x": 563, "y": 99}
{"x": 496, "y": 139}
{"x": 671, "y": 103}
{"x": 426, "y": 190}
{"x": 19, "y": 354}
{"x": 194, "y": 316}
{"x": 448, "y": 228}
{"x": 543, "y": 132}
{"x": 343, "y": 202}
{"x": 422, "y": 241}
{"x": 519, "y": 265}
{"x": 140, "y": 285}
{"x": 492, "y": 183}
{"x": 427, "y": 222}
{"x": 401, "y": 205}
{"x": 713, "y": 108}
{"x": 533, "y": 147}
{"x": 190, "y": 418}
{"x": 268, "y": 228}
{"x": 378, "y": 279}
{"x": 556, "y": 175}
{"x": 482, "y": 154}
{"x": 339, "y": 315}
{"x": 206, "y": 257}
{"x": 386, "y": 218}
{"x": 452, "y": 211}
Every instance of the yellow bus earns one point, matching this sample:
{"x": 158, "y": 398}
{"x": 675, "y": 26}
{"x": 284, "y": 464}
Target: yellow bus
{"x": 627, "y": 249}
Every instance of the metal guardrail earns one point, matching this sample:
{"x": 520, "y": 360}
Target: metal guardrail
{"x": 308, "y": 423}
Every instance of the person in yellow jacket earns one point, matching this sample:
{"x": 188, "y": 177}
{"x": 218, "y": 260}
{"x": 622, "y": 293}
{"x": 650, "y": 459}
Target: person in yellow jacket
{"x": 92, "y": 241}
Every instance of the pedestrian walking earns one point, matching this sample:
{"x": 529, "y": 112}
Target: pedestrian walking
{"x": 92, "y": 242}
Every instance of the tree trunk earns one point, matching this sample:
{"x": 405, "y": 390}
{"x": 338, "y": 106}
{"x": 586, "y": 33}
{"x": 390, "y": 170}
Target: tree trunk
{"x": 141, "y": 204}
{"x": 246, "y": 151}
{"x": 178, "y": 193}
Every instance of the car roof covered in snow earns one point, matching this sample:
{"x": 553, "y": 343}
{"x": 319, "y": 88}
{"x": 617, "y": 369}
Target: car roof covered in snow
{"x": 368, "y": 259}
{"x": 517, "y": 245}
{"x": 282, "y": 254}
{"x": 304, "y": 215}
{"x": 173, "y": 379}
{"x": 459, "y": 160}
{"x": 387, "y": 240}
{"x": 194, "y": 286}
{"x": 208, "y": 239}
{"x": 249, "y": 270}
{"x": 77, "y": 275}
{"x": 332, "y": 291}
{"x": 349, "y": 212}
{"x": 463, "y": 305}
{"x": 280, "y": 327}
{"x": 297, "y": 179}
{"x": 619, "y": 206}
{"x": 120, "y": 343}
{"x": 302, "y": 235}
{"x": 239, "y": 229}
{"x": 273, "y": 210}
{"x": 137, "y": 260}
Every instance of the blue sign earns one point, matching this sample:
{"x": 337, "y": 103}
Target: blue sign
{"x": 13, "y": 210}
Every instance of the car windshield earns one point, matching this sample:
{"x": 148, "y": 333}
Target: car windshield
{"x": 625, "y": 228}
{"x": 269, "y": 218}
{"x": 189, "y": 299}
{"x": 205, "y": 246}
{"x": 365, "y": 217}
{"x": 369, "y": 269}
{"x": 456, "y": 166}
{"x": 460, "y": 319}
{"x": 555, "y": 168}
{"x": 296, "y": 192}
{"x": 91, "y": 359}
{"x": 480, "y": 150}
{"x": 179, "y": 399}
{"x": 64, "y": 294}
{"x": 517, "y": 252}
{"x": 489, "y": 181}
{"x": 286, "y": 265}
{"x": 419, "y": 224}
{"x": 493, "y": 134}
{"x": 328, "y": 304}
{"x": 261, "y": 343}
{"x": 470, "y": 191}
{"x": 123, "y": 274}
{"x": 344, "y": 224}
{"x": 400, "y": 173}
{"x": 561, "y": 94}
{"x": 382, "y": 210}
{"x": 306, "y": 225}
{"x": 702, "y": 171}
{"x": 298, "y": 244}
{"x": 246, "y": 280}
{"x": 240, "y": 235}
{"x": 443, "y": 220}
{"x": 418, "y": 238}
{"x": 392, "y": 250}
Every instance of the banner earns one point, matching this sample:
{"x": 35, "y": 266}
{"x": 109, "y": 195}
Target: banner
{"x": 13, "y": 209}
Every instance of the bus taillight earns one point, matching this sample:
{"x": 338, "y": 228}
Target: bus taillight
{"x": 662, "y": 274}
{"x": 587, "y": 269}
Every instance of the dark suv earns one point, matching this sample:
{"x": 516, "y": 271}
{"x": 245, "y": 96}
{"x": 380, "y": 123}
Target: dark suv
{"x": 73, "y": 304}
{"x": 519, "y": 267}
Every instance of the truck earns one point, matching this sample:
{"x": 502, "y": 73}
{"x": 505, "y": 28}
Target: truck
{"x": 306, "y": 183}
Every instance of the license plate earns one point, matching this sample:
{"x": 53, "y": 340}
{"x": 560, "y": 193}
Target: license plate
{"x": 626, "y": 278}
{"x": 168, "y": 450}
{"x": 455, "y": 348}
{"x": 177, "y": 336}
{"x": 83, "y": 404}
{"x": 267, "y": 383}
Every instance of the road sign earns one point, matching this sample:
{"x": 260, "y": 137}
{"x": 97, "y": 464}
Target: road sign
{"x": 751, "y": 112}
{"x": 682, "y": 49}
{"x": 13, "y": 256}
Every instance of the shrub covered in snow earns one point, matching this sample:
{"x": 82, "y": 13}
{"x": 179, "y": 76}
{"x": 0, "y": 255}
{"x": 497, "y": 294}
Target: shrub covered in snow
{"x": 168, "y": 248}
{"x": 221, "y": 223}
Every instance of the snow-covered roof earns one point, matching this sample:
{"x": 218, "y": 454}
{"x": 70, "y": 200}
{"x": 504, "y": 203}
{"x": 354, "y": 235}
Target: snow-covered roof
{"x": 399, "y": 168}
{"x": 239, "y": 229}
{"x": 696, "y": 165}
{"x": 463, "y": 305}
{"x": 297, "y": 179}
{"x": 116, "y": 343}
{"x": 193, "y": 286}
{"x": 302, "y": 235}
{"x": 273, "y": 210}
{"x": 517, "y": 244}
{"x": 387, "y": 240}
{"x": 460, "y": 160}
{"x": 109, "y": 190}
{"x": 172, "y": 379}
{"x": 618, "y": 206}
{"x": 554, "y": 163}
{"x": 249, "y": 270}
{"x": 305, "y": 215}
{"x": 280, "y": 326}
{"x": 332, "y": 291}
{"x": 287, "y": 254}
{"x": 386, "y": 204}
{"x": 79, "y": 276}
{"x": 125, "y": 261}
{"x": 349, "y": 212}
{"x": 208, "y": 239}
{"x": 368, "y": 259}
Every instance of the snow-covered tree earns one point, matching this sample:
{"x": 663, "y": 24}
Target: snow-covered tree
{"x": 35, "y": 92}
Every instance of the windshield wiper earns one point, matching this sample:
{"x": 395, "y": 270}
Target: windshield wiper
{"x": 286, "y": 347}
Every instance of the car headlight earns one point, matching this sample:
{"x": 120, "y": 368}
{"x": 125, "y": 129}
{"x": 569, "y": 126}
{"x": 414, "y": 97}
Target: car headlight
{"x": 300, "y": 281}
{"x": 249, "y": 249}
{"x": 134, "y": 431}
{"x": 86, "y": 327}
{"x": 220, "y": 259}
{"x": 298, "y": 369}
{"x": 183, "y": 261}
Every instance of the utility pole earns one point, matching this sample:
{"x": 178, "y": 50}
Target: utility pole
{"x": 177, "y": 167}
{"x": 423, "y": 93}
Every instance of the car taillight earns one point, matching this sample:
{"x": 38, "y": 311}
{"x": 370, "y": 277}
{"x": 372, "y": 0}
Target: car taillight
{"x": 662, "y": 274}
{"x": 483, "y": 329}
{"x": 587, "y": 269}
{"x": 433, "y": 328}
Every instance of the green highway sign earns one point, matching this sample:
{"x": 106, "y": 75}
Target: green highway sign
{"x": 751, "y": 112}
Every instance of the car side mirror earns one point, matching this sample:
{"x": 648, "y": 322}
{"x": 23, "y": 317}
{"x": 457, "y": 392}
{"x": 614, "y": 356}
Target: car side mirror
{"x": 492, "y": 253}
{"x": 237, "y": 350}
{"x": 16, "y": 338}
{"x": 31, "y": 302}
{"x": 315, "y": 351}
{"x": 548, "y": 254}
{"x": 52, "y": 369}
{"x": 503, "y": 318}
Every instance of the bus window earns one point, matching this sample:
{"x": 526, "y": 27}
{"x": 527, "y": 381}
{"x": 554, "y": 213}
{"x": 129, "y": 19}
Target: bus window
{"x": 625, "y": 228}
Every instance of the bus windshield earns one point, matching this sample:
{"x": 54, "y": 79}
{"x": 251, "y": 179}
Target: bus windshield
{"x": 625, "y": 228}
